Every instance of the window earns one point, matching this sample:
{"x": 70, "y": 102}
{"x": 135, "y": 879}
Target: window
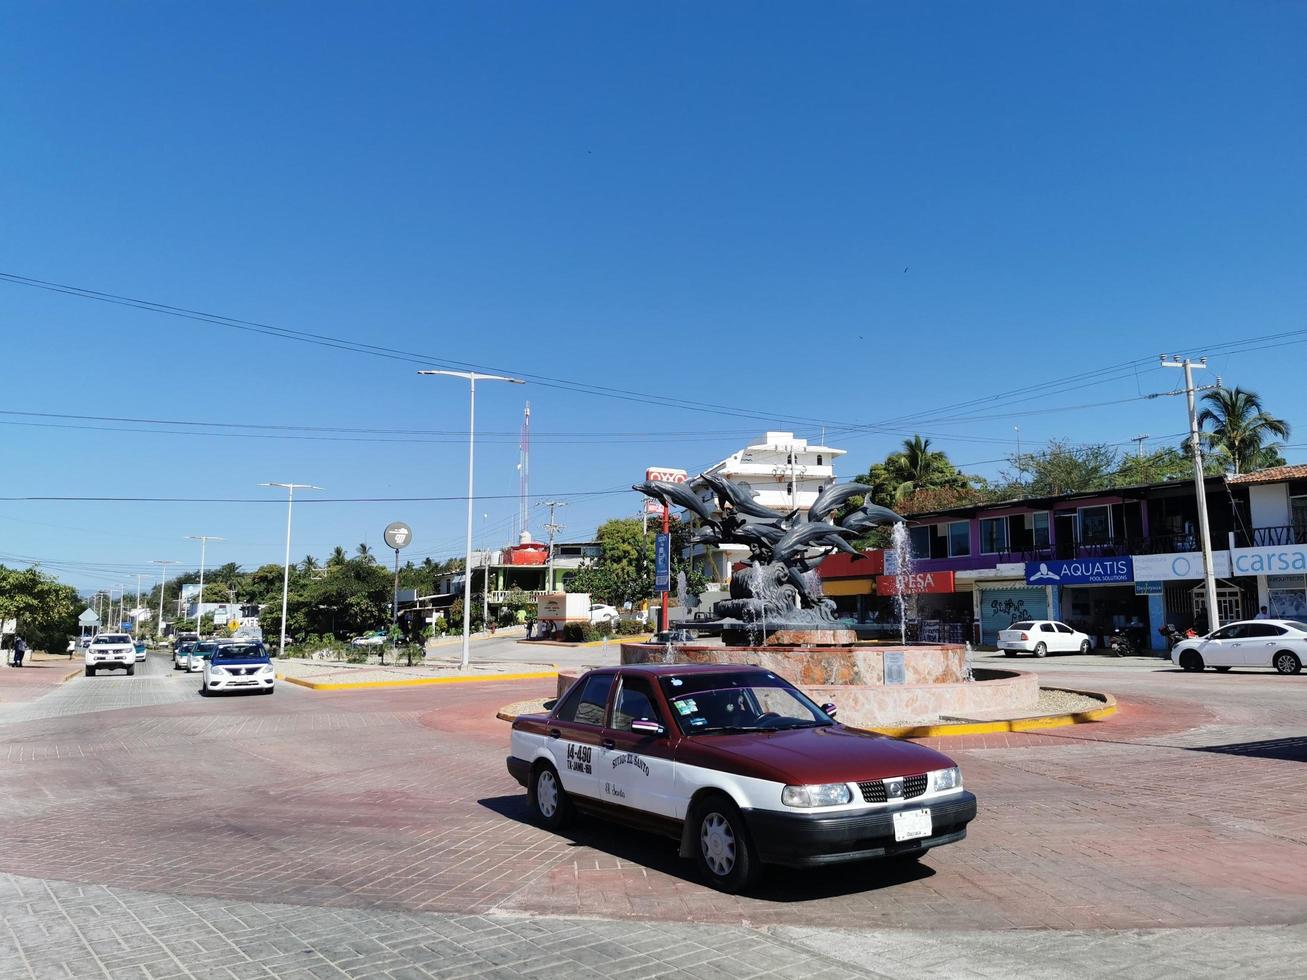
{"x": 959, "y": 539}
{"x": 920, "y": 539}
{"x": 819, "y": 459}
{"x": 1026, "y": 625}
{"x": 1298, "y": 510}
{"x": 1095, "y": 525}
{"x": 1039, "y": 529}
{"x": 634, "y": 703}
{"x": 586, "y": 705}
{"x": 993, "y": 535}
{"x": 1047, "y": 628}
{"x": 1062, "y": 628}
{"x": 1228, "y": 633}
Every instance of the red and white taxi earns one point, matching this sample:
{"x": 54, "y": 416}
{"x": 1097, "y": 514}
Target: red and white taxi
{"x": 738, "y": 765}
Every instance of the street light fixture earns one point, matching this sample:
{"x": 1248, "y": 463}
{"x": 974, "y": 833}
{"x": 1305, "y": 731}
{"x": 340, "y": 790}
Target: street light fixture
{"x": 290, "y": 489}
{"x": 204, "y": 539}
{"x": 472, "y": 377}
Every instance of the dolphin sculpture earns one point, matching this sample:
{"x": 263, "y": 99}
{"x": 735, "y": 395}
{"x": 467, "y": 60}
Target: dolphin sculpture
{"x": 735, "y": 495}
{"x": 868, "y": 516}
{"x": 832, "y": 497}
{"x": 796, "y": 541}
{"x": 675, "y": 495}
{"x": 840, "y": 544}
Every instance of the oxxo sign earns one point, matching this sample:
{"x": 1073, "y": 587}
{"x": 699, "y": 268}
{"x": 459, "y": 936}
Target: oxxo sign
{"x": 662, "y": 474}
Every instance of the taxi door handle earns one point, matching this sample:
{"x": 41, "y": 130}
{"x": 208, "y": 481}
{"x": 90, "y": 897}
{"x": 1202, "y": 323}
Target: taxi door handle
{"x": 555, "y": 733}
{"x": 608, "y": 743}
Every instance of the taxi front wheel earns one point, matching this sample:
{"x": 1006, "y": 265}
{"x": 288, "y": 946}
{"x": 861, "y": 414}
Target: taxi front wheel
{"x": 722, "y": 846}
{"x": 553, "y": 807}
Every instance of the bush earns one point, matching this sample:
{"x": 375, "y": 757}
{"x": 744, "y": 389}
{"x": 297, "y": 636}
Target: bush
{"x": 631, "y": 627}
{"x": 357, "y": 655}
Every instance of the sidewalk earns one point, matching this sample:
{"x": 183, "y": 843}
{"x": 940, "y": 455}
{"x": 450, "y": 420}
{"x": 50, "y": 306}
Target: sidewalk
{"x": 40, "y": 672}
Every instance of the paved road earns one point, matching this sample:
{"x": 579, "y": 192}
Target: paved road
{"x": 146, "y": 830}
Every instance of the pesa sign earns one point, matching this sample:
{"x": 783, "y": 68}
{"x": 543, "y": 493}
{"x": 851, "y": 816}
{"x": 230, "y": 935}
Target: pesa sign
{"x": 917, "y": 583}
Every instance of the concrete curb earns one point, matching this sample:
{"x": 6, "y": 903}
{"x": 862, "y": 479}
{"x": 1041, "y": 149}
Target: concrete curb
{"x": 1027, "y": 724}
{"x": 637, "y": 638}
{"x": 71, "y": 674}
{"x": 414, "y": 681}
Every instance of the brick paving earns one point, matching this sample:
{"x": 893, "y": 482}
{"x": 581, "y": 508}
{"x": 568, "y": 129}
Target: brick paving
{"x": 1188, "y": 809}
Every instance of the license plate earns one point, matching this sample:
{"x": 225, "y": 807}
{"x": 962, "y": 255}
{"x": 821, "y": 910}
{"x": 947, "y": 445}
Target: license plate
{"x": 911, "y": 824}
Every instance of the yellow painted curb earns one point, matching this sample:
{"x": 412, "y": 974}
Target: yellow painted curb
{"x": 71, "y": 674}
{"x": 414, "y": 681}
{"x": 1029, "y": 724}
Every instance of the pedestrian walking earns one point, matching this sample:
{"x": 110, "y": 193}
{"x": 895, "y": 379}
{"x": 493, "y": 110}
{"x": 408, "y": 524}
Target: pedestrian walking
{"x": 20, "y": 649}
{"x": 1264, "y": 613}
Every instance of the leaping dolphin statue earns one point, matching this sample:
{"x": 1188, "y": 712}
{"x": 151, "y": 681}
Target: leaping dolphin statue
{"x": 675, "y": 495}
{"x": 868, "y": 516}
{"x": 735, "y": 495}
{"x": 804, "y": 536}
{"x": 832, "y": 497}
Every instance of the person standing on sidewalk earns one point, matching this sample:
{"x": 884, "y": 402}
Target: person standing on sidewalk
{"x": 20, "y": 649}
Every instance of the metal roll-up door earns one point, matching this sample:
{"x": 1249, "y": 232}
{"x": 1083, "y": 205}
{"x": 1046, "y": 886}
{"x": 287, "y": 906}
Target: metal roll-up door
{"x": 1000, "y": 608}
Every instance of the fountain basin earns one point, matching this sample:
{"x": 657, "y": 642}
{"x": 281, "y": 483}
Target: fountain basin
{"x": 853, "y": 677}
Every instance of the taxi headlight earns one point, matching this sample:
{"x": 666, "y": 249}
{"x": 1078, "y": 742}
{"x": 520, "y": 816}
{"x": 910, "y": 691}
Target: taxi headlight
{"x": 825, "y": 794}
{"x": 945, "y": 779}
{"x": 219, "y": 671}
{"x": 266, "y": 669}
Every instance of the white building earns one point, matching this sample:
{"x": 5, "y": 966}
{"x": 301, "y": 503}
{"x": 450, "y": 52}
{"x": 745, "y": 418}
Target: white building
{"x": 785, "y": 473}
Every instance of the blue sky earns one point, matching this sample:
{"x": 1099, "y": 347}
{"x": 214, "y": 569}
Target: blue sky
{"x": 858, "y": 213}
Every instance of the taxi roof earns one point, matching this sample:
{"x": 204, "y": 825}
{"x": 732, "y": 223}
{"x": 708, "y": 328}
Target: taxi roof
{"x": 667, "y": 670}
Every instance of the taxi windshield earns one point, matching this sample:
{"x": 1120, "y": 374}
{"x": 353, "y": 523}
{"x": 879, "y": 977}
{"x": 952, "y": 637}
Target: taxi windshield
{"x": 753, "y": 701}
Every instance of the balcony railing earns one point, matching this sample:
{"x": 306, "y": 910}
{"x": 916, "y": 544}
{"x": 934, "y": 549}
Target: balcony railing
{"x": 1272, "y": 537}
{"x": 506, "y": 594}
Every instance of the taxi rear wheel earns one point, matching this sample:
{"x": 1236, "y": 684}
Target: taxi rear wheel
{"x": 1287, "y": 663}
{"x": 552, "y": 805}
{"x": 1041, "y": 649}
{"x": 722, "y": 846}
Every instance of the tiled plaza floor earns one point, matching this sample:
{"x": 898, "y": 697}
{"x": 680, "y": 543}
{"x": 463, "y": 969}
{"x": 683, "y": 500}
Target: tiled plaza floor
{"x": 1188, "y": 810}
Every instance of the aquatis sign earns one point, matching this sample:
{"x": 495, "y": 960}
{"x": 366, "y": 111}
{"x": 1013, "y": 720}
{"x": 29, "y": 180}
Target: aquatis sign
{"x": 1080, "y": 571}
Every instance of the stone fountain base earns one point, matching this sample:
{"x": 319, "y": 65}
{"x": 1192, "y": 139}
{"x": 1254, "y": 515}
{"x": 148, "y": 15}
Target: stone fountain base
{"x": 933, "y": 679}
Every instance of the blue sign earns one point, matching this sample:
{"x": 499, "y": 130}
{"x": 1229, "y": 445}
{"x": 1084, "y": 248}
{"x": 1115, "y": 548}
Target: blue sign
{"x": 663, "y": 563}
{"x": 1080, "y": 571}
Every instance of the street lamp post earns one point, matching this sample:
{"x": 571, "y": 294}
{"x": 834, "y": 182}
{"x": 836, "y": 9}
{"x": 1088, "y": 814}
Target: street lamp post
{"x": 290, "y": 489}
{"x": 204, "y": 539}
{"x": 164, "y": 563}
{"x": 472, "y": 377}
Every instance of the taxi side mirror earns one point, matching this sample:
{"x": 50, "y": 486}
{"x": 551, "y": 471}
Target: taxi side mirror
{"x": 646, "y": 727}
{"x": 829, "y": 708}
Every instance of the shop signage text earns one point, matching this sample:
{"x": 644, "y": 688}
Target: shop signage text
{"x": 917, "y": 583}
{"x": 1079, "y": 571}
{"x": 1270, "y": 561}
{"x": 1179, "y": 565}
{"x": 1148, "y": 587}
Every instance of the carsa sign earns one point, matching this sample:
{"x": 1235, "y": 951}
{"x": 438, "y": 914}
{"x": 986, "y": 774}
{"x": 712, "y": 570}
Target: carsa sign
{"x": 917, "y": 583}
{"x": 1273, "y": 560}
{"x": 1080, "y": 571}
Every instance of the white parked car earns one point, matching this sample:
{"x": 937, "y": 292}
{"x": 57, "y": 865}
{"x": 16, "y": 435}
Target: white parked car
{"x": 1277, "y": 643}
{"x": 1042, "y": 637}
{"x": 599, "y": 613}
{"x": 111, "y": 651}
{"x": 368, "y": 640}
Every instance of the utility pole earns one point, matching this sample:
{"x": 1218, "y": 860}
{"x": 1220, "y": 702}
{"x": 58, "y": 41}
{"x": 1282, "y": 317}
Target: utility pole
{"x": 136, "y": 613}
{"x": 1021, "y": 466}
{"x": 164, "y": 562}
{"x": 1200, "y": 487}
{"x": 1139, "y": 444}
{"x": 552, "y": 528}
{"x": 204, "y": 540}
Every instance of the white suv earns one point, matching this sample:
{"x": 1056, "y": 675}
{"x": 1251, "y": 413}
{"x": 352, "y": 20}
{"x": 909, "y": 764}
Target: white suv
{"x": 111, "y": 650}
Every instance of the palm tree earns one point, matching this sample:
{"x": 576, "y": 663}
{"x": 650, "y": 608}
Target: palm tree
{"x": 337, "y": 557}
{"x": 309, "y": 565}
{"x": 916, "y": 467}
{"x": 365, "y": 553}
{"x": 1240, "y": 429}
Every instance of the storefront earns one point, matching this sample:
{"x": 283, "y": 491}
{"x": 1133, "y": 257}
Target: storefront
{"x": 1098, "y": 610}
{"x": 851, "y": 584}
{"x": 1003, "y": 605}
{"x": 935, "y": 612}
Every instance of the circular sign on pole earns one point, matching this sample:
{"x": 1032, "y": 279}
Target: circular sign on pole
{"x": 398, "y": 535}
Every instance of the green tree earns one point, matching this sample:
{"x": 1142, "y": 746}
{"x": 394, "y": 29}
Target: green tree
{"x": 1239, "y": 431}
{"x": 912, "y": 468}
{"x": 337, "y": 557}
{"x": 1062, "y": 467}
{"x": 1165, "y": 464}
{"x": 309, "y": 565}
{"x": 45, "y": 610}
{"x": 625, "y": 571}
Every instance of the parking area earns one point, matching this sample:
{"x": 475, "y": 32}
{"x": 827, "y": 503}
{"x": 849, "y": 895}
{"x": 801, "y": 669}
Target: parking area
{"x": 1187, "y": 809}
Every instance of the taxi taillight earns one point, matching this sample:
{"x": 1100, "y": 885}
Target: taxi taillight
{"x": 1024, "y": 636}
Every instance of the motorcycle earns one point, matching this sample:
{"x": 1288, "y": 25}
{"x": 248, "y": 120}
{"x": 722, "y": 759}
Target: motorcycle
{"x": 1122, "y": 645}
